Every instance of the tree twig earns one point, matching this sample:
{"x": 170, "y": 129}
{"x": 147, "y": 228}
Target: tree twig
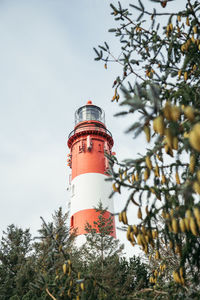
{"x": 50, "y": 294}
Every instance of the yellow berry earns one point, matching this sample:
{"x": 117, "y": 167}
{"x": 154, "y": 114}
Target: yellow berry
{"x": 192, "y": 163}
{"x": 148, "y": 162}
{"x": 147, "y": 133}
{"x": 189, "y": 113}
{"x": 139, "y": 214}
{"x": 177, "y": 178}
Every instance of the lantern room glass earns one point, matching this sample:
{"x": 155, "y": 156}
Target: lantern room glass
{"x": 89, "y": 112}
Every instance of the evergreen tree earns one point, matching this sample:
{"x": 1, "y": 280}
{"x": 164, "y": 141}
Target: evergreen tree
{"x": 101, "y": 253}
{"x": 114, "y": 276}
{"x": 99, "y": 241}
{"x": 55, "y": 239}
{"x": 16, "y": 263}
{"x": 53, "y": 252}
{"x": 53, "y": 268}
{"x": 133, "y": 276}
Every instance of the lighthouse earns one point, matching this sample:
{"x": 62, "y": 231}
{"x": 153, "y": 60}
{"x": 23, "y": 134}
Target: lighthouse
{"x": 88, "y": 143}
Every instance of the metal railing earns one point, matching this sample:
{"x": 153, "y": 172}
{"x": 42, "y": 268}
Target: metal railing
{"x": 90, "y": 127}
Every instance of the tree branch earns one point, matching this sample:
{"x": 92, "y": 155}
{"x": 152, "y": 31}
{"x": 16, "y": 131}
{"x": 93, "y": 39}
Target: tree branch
{"x": 50, "y": 294}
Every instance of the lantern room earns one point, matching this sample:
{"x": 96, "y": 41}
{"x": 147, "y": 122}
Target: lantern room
{"x": 89, "y": 112}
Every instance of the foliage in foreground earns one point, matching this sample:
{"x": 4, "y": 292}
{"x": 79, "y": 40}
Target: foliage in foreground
{"x": 52, "y": 266}
{"x": 164, "y": 61}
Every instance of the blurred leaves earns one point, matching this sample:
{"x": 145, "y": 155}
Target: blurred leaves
{"x": 159, "y": 86}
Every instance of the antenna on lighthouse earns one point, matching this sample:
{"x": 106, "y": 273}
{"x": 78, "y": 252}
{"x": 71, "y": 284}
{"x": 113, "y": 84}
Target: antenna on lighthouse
{"x": 88, "y": 142}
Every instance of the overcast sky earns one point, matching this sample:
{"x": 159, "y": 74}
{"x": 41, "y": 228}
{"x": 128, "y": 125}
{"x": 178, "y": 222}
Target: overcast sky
{"x": 47, "y": 71}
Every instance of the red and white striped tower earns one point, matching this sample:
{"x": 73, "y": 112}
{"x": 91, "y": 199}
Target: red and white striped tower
{"x": 87, "y": 143}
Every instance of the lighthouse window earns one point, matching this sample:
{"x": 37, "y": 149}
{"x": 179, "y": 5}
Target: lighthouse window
{"x": 100, "y": 148}
{"x": 81, "y": 147}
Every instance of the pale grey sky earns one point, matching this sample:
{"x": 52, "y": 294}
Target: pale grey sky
{"x": 47, "y": 71}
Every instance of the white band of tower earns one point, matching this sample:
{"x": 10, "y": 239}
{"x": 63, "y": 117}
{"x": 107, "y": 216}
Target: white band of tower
{"x": 87, "y": 143}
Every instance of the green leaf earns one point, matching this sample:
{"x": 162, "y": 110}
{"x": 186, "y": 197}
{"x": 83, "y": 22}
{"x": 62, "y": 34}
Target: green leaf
{"x": 138, "y": 131}
{"x": 140, "y": 16}
{"x": 113, "y": 7}
{"x": 134, "y": 6}
{"x": 103, "y": 48}
{"x": 174, "y": 73}
{"x": 135, "y": 102}
{"x": 153, "y": 92}
{"x": 112, "y": 30}
{"x": 95, "y": 50}
{"x": 106, "y": 45}
{"x": 138, "y": 90}
{"x": 142, "y": 6}
{"x": 133, "y": 127}
{"x": 122, "y": 113}
{"x": 135, "y": 62}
